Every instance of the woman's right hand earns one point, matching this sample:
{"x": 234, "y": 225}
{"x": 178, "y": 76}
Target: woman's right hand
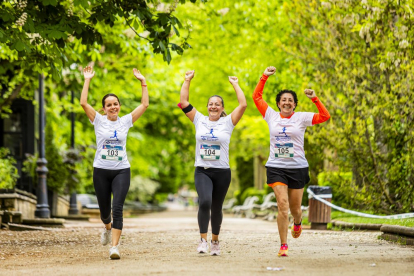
{"x": 88, "y": 72}
{"x": 189, "y": 75}
{"x": 270, "y": 71}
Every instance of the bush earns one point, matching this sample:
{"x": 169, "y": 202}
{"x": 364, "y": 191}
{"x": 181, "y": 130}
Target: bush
{"x": 58, "y": 171}
{"x": 8, "y": 172}
{"x": 142, "y": 189}
{"x": 345, "y": 192}
{"x": 252, "y": 192}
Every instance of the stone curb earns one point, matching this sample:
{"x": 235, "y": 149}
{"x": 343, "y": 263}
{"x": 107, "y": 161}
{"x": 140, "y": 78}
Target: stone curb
{"x": 394, "y": 233}
{"x": 357, "y": 226}
{"x": 401, "y": 230}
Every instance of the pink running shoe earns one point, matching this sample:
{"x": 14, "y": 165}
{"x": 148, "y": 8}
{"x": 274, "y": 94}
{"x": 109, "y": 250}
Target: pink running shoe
{"x": 296, "y": 230}
{"x": 202, "y": 246}
{"x": 214, "y": 248}
{"x": 283, "y": 251}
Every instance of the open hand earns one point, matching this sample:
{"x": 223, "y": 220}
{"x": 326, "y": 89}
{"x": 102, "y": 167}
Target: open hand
{"x": 310, "y": 93}
{"x": 233, "y": 80}
{"x": 270, "y": 71}
{"x": 189, "y": 75}
{"x": 88, "y": 72}
{"x": 138, "y": 74}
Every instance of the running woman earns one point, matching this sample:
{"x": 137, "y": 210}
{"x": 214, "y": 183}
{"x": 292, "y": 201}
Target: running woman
{"x": 212, "y": 174}
{"x": 111, "y": 169}
{"x": 287, "y": 167}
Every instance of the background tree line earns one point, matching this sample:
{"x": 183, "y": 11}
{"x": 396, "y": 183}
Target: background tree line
{"x": 357, "y": 55}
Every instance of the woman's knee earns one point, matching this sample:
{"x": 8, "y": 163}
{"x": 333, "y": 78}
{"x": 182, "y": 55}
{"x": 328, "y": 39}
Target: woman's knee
{"x": 296, "y": 211}
{"x": 204, "y": 204}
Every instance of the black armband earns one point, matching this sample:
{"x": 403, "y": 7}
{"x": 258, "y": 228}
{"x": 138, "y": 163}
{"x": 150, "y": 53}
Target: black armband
{"x": 188, "y": 108}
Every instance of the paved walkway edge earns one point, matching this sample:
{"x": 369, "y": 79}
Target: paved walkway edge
{"x": 400, "y": 234}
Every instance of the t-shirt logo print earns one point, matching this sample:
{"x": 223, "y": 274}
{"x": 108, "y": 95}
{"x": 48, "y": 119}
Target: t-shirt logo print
{"x": 209, "y": 136}
{"x": 284, "y": 138}
{"x": 114, "y": 136}
{"x": 283, "y": 131}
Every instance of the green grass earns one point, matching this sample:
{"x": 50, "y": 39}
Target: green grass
{"x": 340, "y": 216}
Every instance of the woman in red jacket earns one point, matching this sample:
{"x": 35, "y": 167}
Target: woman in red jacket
{"x": 287, "y": 168}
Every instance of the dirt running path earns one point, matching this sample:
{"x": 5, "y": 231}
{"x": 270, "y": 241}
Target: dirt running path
{"x": 165, "y": 244}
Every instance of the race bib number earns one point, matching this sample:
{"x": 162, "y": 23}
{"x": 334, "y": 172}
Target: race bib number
{"x": 113, "y": 153}
{"x": 284, "y": 150}
{"x": 210, "y": 152}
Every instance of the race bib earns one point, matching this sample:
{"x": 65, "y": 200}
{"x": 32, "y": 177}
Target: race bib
{"x": 210, "y": 152}
{"x": 284, "y": 150}
{"x": 113, "y": 153}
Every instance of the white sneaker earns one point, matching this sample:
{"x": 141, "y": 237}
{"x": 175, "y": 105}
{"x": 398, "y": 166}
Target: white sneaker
{"x": 202, "y": 246}
{"x": 114, "y": 253}
{"x": 106, "y": 236}
{"x": 214, "y": 248}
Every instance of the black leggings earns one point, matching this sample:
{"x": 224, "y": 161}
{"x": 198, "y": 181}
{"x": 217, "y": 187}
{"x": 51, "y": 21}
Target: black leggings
{"x": 107, "y": 182}
{"x": 212, "y": 185}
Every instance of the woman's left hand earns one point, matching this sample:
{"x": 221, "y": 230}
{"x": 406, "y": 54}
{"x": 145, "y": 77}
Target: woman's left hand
{"x": 233, "y": 80}
{"x": 310, "y": 93}
{"x": 138, "y": 75}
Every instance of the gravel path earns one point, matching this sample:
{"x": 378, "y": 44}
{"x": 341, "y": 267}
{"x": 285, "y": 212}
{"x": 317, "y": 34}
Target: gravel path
{"x": 165, "y": 244}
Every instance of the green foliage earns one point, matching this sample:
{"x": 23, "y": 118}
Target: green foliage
{"x": 8, "y": 171}
{"x": 142, "y": 189}
{"x": 160, "y": 198}
{"x": 58, "y": 174}
{"x": 335, "y": 215}
{"x": 40, "y": 36}
{"x": 29, "y": 167}
{"x": 344, "y": 191}
{"x": 359, "y": 56}
{"x": 356, "y": 55}
{"x": 245, "y": 173}
{"x": 251, "y": 192}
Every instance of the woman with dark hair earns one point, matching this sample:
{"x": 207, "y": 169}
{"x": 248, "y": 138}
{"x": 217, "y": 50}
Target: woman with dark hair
{"x": 287, "y": 168}
{"x": 111, "y": 169}
{"x": 212, "y": 174}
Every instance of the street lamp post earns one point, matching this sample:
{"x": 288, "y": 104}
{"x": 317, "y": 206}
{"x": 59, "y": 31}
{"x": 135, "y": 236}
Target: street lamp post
{"x": 42, "y": 206}
{"x": 73, "y": 205}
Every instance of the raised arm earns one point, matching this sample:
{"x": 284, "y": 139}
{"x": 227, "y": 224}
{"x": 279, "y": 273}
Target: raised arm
{"x": 323, "y": 114}
{"x": 88, "y": 73}
{"x": 239, "y": 110}
{"x": 184, "y": 95}
{"x": 258, "y": 92}
{"x": 137, "y": 112}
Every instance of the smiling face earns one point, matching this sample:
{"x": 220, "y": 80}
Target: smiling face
{"x": 215, "y": 108}
{"x": 112, "y": 106}
{"x": 287, "y": 103}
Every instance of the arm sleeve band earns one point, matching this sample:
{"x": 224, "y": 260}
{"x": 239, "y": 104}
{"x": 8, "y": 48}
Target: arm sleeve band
{"x": 323, "y": 114}
{"x": 258, "y": 96}
{"x": 187, "y": 109}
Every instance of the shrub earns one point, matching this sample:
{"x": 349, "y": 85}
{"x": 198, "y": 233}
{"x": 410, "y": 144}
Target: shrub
{"x": 8, "y": 171}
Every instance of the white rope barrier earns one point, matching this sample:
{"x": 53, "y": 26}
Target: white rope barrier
{"x": 319, "y": 198}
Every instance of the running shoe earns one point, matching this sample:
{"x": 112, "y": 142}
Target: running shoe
{"x": 114, "y": 253}
{"x": 283, "y": 251}
{"x": 106, "y": 236}
{"x": 214, "y": 248}
{"x": 202, "y": 246}
{"x": 296, "y": 230}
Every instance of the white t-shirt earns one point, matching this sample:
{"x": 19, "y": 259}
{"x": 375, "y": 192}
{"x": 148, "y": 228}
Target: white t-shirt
{"x": 287, "y": 139}
{"x": 212, "y": 141}
{"x": 111, "y": 137}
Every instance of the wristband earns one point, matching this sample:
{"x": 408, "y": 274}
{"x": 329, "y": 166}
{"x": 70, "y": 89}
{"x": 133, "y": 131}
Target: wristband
{"x": 188, "y": 108}
{"x": 144, "y": 85}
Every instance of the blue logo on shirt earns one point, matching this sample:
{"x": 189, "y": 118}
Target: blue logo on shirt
{"x": 283, "y": 131}
{"x": 209, "y": 136}
{"x": 115, "y": 136}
